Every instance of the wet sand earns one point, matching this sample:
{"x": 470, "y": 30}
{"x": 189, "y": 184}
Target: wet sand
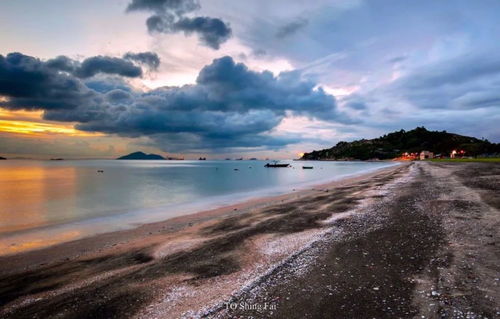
{"x": 407, "y": 241}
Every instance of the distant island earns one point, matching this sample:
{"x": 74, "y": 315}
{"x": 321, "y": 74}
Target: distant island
{"x": 141, "y": 156}
{"x": 395, "y": 144}
{"x": 2, "y": 158}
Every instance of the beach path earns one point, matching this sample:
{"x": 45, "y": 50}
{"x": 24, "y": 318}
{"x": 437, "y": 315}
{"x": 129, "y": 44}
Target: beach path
{"x": 409, "y": 241}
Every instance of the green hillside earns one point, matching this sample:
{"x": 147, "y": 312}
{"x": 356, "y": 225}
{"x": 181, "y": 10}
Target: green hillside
{"x": 394, "y": 144}
{"x": 141, "y": 156}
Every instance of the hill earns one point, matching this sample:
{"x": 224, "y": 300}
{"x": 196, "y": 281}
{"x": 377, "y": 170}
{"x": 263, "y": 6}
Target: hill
{"x": 2, "y": 158}
{"x": 141, "y": 156}
{"x": 394, "y": 144}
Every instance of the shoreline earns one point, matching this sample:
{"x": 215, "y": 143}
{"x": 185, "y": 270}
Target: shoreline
{"x": 182, "y": 266}
{"x": 183, "y": 216}
{"x": 406, "y": 241}
{"x": 429, "y": 250}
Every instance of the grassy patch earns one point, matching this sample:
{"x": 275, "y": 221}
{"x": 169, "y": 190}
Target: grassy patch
{"x": 464, "y": 160}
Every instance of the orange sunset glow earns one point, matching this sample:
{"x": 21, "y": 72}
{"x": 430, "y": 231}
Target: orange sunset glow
{"x": 31, "y": 123}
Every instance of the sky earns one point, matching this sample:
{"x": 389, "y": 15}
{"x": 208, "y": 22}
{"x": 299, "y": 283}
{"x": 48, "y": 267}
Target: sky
{"x": 222, "y": 78}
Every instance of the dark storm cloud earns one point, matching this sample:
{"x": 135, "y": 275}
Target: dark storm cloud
{"x": 169, "y": 17}
{"x": 228, "y": 101}
{"x": 291, "y": 28}
{"x": 117, "y": 96}
{"x": 104, "y": 64}
{"x": 229, "y": 106}
{"x": 106, "y": 84}
{"x": 150, "y": 59}
{"x": 177, "y": 7}
{"x": 30, "y": 83}
{"x": 108, "y": 65}
{"x": 63, "y": 63}
{"x": 212, "y": 31}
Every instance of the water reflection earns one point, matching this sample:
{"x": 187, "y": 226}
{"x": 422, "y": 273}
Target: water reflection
{"x": 28, "y": 195}
{"x": 45, "y": 202}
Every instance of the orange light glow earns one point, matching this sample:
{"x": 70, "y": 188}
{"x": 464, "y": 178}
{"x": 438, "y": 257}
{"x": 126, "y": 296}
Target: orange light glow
{"x": 25, "y": 115}
{"x": 31, "y": 123}
{"x": 25, "y": 127}
{"x": 6, "y": 248}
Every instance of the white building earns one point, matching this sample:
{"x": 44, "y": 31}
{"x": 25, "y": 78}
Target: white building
{"x": 426, "y": 155}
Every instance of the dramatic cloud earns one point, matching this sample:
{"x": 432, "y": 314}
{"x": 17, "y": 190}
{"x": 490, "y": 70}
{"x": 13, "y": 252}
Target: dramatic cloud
{"x": 32, "y": 84}
{"x": 212, "y": 31}
{"x": 63, "y": 63}
{"x": 147, "y": 58}
{"x": 229, "y": 106}
{"x": 108, "y": 65}
{"x": 29, "y": 83}
{"x": 169, "y": 17}
{"x": 98, "y": 64}
{"x": 392, "y": 65}
{"x": 396, "y": 65}
{"x": 176, "y": 7}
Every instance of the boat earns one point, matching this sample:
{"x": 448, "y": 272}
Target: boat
{"x": 307, "y": 167}
{"x": 276, "y": 165}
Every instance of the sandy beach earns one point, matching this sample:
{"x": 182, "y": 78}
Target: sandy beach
{"x": 414, "y": 240}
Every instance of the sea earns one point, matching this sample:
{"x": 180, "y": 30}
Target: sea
{"x": 44, "y": 203}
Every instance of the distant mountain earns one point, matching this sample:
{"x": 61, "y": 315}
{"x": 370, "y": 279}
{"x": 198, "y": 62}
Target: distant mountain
{"x": 141, "y": 156}
{"x": 2, "y": 158}
{"x": 394, "y": 144}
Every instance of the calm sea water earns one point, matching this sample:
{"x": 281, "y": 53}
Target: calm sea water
{"x": 47, "y": 202}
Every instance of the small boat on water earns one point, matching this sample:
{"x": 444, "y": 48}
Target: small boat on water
{"x": 276, "y": 165}
{"x": 307, "y": 167}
